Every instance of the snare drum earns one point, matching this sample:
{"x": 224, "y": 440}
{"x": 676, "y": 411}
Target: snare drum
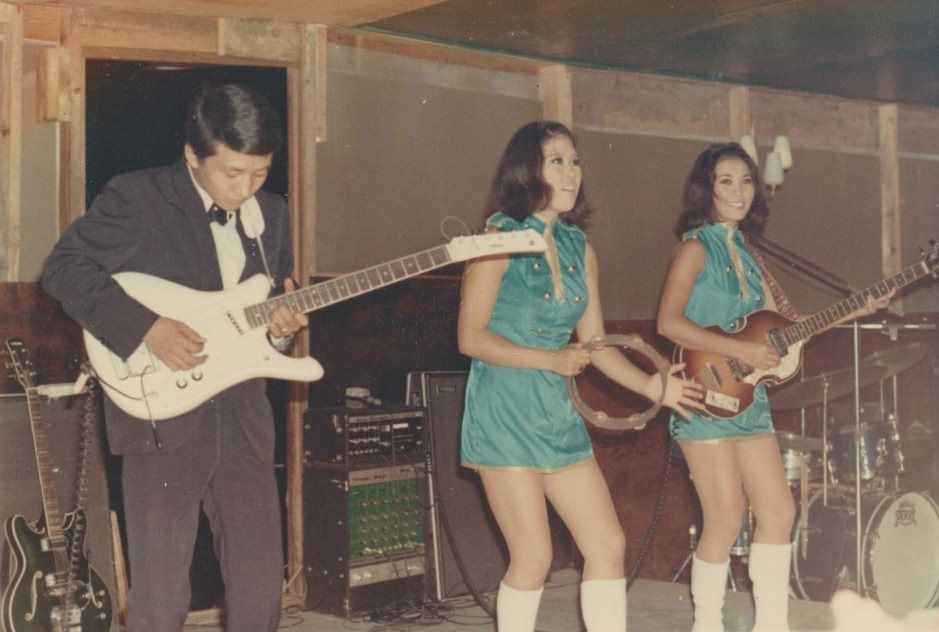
{"x": 794, "y": 462}
{"x": 879, "y": 452}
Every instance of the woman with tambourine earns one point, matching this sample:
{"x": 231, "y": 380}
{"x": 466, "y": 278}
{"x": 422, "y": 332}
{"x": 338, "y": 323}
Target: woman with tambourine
{"x": 521, "y": 431}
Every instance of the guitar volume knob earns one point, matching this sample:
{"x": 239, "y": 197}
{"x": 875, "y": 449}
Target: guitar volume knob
{"x": 181, "y": 383}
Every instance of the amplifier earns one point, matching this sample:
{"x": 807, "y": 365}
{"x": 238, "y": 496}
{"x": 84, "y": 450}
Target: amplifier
{"x": 389, "y": 434}
{"x": 364, "y": 536}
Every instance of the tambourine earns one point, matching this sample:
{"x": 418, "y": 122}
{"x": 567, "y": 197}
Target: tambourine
{"x": 636, "y": 420}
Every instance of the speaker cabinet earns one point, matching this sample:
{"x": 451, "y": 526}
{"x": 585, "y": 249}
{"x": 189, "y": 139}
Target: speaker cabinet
{"x": 461, "y": 524}
{"x": 364, "y": 536}
{"x": 19, "y": 480}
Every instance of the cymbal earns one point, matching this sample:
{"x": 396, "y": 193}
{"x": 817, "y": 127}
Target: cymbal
{"x": 797, "y": 443}
{"x": 897, "y": 359}
{"x": 812, "y": 391}
{"x": 872, "y": 368}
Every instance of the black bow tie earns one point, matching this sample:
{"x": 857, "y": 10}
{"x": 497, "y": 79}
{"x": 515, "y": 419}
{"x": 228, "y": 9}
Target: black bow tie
{"x": 218, "y": 214}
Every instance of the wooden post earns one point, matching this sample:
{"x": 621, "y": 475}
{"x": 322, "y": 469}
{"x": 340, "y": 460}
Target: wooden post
{"x": 889, "y": 192}
{"x": 554, "y": 86}
{"x": 307, "y": 126}
{"x": 11, "y": 129}
{"x": 72, "y": 160}
{"x": 739, "y": 106}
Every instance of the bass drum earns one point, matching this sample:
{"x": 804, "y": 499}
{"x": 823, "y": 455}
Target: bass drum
{"x": 901, "y": 553}
{"x": 823, "y": 546}
{"x": 900, "y": 548}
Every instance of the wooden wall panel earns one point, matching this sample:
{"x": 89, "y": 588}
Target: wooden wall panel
{"x": 919, "y": 132}
{"x": 53, "y": 339}
{"x": 814, "y": 121}
{"x": 650, "y": 104}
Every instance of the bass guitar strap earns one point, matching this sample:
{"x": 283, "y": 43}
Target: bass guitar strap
{"x": 783, "y": 304}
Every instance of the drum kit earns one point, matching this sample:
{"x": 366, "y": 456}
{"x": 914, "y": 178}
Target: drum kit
{"x": 857, "y": 527}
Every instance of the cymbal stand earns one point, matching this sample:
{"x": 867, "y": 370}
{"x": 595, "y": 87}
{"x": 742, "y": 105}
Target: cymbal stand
{"x": 856, "y": 340}
{"x": 824, "y": 444}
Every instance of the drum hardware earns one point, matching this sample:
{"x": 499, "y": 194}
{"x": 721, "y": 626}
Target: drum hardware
{"x": 741, "y": 546}
{"x": 852, "y": 381}
{"x": 836, "y": 451}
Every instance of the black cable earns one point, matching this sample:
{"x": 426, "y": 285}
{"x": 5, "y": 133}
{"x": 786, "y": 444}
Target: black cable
{"x": 464, "y": 573}
{"x": 657, "y": 514}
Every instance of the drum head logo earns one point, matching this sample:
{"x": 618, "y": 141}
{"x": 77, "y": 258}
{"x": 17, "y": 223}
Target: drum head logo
{"x": 906, "y": 514}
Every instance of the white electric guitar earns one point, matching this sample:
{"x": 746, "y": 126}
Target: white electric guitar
{"x": 234, "y": 323}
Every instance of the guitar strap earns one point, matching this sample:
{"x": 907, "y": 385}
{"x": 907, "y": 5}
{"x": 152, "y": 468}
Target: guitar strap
{"x": 783, "y": 304}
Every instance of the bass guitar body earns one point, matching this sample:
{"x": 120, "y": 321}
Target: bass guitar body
{"x": 729, "y": 383}
{"x": 38, "y": 598}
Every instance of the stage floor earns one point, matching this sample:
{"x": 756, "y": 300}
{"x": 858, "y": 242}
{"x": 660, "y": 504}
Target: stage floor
{"x": 654, "y": 606}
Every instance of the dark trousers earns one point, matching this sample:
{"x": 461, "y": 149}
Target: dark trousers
{"x": 162, "y": 494}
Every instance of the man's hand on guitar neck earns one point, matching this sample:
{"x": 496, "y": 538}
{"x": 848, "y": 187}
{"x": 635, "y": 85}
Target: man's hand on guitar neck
{"x": 175, "y": 344}
{"x": 284, "y": 322}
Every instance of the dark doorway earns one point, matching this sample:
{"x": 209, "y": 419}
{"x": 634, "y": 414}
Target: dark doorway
{"x": 135, "y": 119}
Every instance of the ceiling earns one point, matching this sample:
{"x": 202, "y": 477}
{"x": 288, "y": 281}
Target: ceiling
{"x": 883, "y": 50}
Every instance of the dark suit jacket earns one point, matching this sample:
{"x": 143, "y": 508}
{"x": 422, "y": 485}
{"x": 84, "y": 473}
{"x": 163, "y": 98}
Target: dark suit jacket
{"x": 153, "y": 221}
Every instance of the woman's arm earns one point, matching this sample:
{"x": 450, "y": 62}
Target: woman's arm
{"x": 680, "y": 394}
{"x": 481, "y": 282}
{"x": 673, "y": 324}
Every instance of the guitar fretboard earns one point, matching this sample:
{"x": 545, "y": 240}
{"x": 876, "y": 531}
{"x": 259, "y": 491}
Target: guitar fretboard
{"x": 348, "y": 286}
{"x": 826, "y": 318}
{"x": 44, "y": 465}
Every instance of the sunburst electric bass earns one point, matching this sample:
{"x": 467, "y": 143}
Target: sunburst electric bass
{"x": 234, "y": 323}
{"x": 729, "y": 383}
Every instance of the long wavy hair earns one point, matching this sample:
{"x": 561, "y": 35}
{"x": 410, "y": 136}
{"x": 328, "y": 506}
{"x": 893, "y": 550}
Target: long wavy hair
{"x": 698, "y": 195}
{"x": 518, "y": 189}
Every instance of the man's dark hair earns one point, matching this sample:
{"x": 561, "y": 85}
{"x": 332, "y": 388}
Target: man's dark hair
{"x": 236, "y": 116}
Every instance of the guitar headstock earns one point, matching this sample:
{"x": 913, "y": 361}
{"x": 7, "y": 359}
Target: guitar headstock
{"x": 517, "y": 241}
{"x": 931, "y": 258}
{"x": 21, "y": 369}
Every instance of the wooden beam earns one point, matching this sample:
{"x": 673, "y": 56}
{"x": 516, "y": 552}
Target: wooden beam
{"x": 126, "y": 30}
{"x": 333, "y": 12}
{"x": 554, "y": 87}
{"x": 11, "y": 132}
{"x": 53, "y": 84}
{"x": 429, "y": 51}
{"x": 889, "y": 190}
{"x": 258, "y": 39}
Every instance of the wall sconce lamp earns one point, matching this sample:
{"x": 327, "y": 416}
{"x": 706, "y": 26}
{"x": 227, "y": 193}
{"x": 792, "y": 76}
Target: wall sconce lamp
{"x": 777, "y": 161}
